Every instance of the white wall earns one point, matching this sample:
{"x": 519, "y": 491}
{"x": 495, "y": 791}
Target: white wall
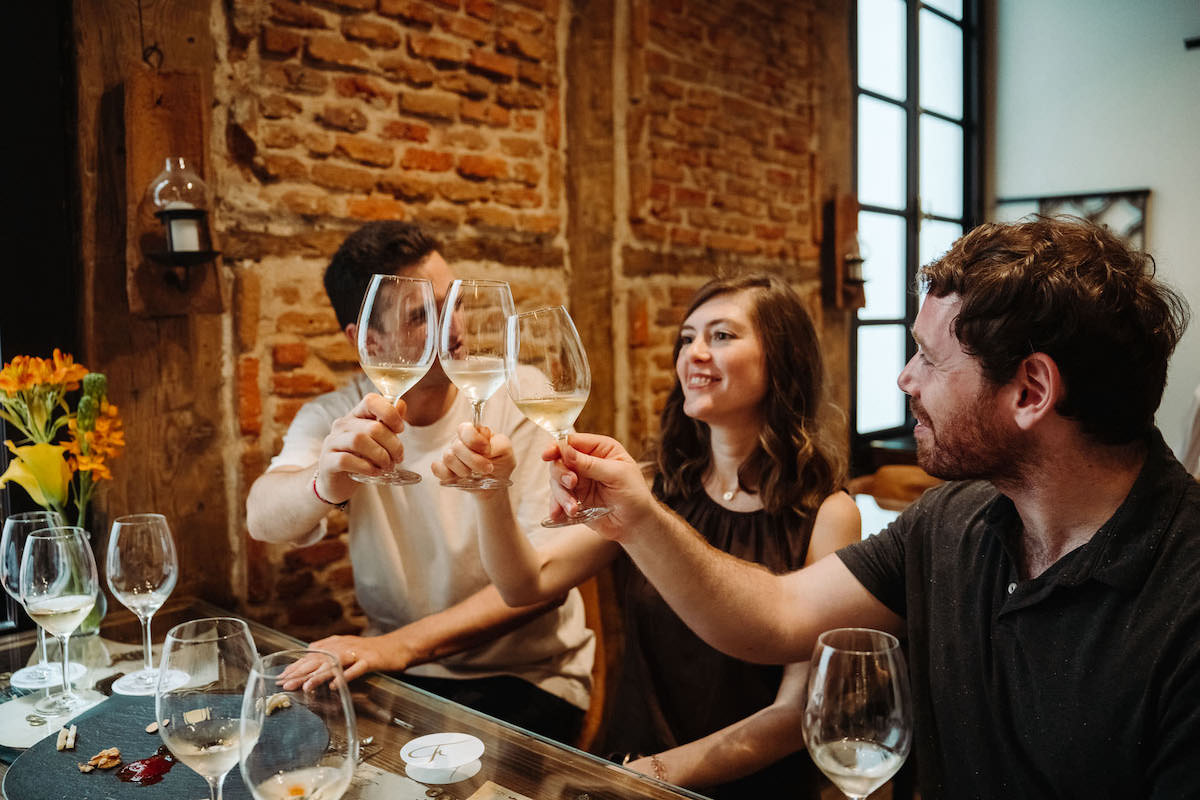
{"x": 1094, "y": 95}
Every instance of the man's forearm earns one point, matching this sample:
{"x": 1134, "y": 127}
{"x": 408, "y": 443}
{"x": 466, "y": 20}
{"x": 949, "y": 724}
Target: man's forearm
{"x": 738, "y": 607}
{"x": 281, "y": 506}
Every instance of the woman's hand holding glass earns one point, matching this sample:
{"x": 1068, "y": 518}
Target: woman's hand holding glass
{"x": 471, "y": 349}
{"x": 142, "y": 568}
{"x": 59, "y": 583}
{"x": 298, "y": 743}
{"x": 477, "y": 451}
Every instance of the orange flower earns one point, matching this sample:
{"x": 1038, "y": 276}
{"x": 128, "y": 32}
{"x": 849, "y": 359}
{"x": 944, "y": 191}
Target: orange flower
{"x": 19, "y": 374}
{"x": 104, "y": 442}
{"x": 66, "y": 371}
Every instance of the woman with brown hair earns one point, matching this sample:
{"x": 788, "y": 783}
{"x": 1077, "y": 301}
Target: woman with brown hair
{"x": 743, "y": 459}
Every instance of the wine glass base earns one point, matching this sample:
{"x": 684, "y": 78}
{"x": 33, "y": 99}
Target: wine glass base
{"x": 64, "y": 703}
{"x": 397, "y": 477}
{"x": 144, "y": 682}
{"x": 45, "y": 676}
{"x": 584, "y": 515}
{"x": 477, "y": 483}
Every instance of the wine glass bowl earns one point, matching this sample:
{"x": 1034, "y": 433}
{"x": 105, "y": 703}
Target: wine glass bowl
{"x": 302, "y": 743}
{"x": 59, "y": 584}
{"x": 471, "y": 348}
{"x": 549, "y": 379}
{"x": 858, "y": 716}
{"x": 396, "y": 338}
{"x": 142, "y": 567}
{"x": 200, "y": 717}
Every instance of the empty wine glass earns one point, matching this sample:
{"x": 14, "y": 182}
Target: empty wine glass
{"x": 396, "y": 337}
{"x": 200, "y": 719}
{"x": 858, "y": 717}
{"x": 142, "y": 568}
{"x": 58, "y": 587}
{"x": 302, "y": 743}
{"x": 17, "y": 528}
{"x": 471, "y": 346}
{"x": 549, "y": 379}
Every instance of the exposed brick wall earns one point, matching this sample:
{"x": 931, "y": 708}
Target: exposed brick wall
{"x": 721, "y": 150}
{"x": 451, "y": 113}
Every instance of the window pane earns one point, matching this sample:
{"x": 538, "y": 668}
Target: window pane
{"x": 881, "y": 47}
{"x": 941, "y": 167}
{"x": 952, "y": 8}
{"x": 880, "y": 153}
{"x": 882, "y": 237}
{"x": 941, "y": 65}
{"x": 880, "y": 359}
{"x": 936, "y": 238}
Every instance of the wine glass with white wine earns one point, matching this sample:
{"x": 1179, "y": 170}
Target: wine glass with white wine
{"x": 858, "y": 716}
{"x": 200, "y": 720}
{"x": 58, "y": 587}
{"x": 142, "y": 568}
{"x": 17, "y": 528}
{"x": 471, "y": 346}
{"x": 396, "y": 336}
{"x": 549, "y": 379}
{"x": 301, "y": 743}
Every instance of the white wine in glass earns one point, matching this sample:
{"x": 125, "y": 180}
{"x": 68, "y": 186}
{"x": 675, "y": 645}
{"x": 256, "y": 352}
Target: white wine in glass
{"x": 59, "y": 584}
{"x": 307, "y": 748}
{"x": 549, "y": 379}
{"x": 17, "y": 528}
{"x": 858, "y": 715}
{"x": 396, "y": 337}
{"x": 142, "y": 568}
{"x": 471, "y": 347}
{"x": 201, "y": 719}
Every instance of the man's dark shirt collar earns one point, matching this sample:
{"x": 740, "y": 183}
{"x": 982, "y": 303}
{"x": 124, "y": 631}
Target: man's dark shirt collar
{"x": 1123, "y": 550}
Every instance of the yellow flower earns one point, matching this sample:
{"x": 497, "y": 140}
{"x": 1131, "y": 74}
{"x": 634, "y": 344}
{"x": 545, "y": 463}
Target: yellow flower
{"x": 41, "y": 470}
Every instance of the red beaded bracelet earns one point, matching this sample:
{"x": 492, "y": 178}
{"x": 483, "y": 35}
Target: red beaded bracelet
{"x": 342, "y": 505}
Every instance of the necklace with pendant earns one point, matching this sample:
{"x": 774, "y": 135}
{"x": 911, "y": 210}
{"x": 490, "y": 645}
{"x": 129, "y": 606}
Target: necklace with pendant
{"x": 731, "y": 493}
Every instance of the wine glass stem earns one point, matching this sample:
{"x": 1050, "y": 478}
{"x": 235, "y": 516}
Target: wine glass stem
{"x": 214, "y": 787}
{"x": 63, "y": 642}
{"x": 478, "y": 408}
{"x": 45, "y": 661}
{"x": 146, "y": 642}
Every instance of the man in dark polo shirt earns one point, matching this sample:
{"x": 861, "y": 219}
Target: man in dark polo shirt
{"x": 1050, "y": 593}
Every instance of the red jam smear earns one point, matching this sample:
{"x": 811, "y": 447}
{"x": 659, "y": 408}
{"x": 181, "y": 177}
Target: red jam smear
{"x": 148, "y": 771}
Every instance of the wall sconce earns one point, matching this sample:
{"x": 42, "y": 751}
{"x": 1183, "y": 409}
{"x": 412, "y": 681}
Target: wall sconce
{"x": 843, "y": 252}
{"x": 181, "y": 200}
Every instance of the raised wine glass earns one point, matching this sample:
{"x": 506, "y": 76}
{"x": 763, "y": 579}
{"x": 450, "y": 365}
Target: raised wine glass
{"x": 471, "y": 346}
{"x": 396, "y": 336}
{"x": 549, "y": 379}
{"x": 200, "y": 719}
{"x": 17, "y": 528}
{"x": 142, "y": 568}
{"x": 302, "y": 743}
{"x": 58, "y": 587}
{"x": 858, "y": 716}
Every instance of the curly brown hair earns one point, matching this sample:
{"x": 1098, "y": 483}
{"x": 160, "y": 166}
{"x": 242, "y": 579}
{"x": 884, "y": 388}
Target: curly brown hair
{"x": 794, "y": 466}
{"x": 1074, "y": 291}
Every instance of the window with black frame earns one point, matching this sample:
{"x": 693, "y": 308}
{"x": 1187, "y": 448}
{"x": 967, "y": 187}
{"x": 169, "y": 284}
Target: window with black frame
{"x": 917, "y": 169}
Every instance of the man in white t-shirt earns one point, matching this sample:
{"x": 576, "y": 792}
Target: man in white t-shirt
{"x": 417, "y": 574}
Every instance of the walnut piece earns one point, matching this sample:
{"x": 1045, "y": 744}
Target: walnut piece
{"x": 106, "y": 759}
